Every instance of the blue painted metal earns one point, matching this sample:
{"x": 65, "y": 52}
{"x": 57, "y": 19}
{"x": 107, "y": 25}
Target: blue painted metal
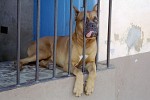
{"x": 47, "y": 16}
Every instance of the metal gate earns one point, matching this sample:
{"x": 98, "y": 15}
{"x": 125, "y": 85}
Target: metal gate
{"x": 55, "y": 41}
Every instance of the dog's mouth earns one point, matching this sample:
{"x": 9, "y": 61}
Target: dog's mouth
{"x": 91, "y": 34}
{"x": 91, "y": 30}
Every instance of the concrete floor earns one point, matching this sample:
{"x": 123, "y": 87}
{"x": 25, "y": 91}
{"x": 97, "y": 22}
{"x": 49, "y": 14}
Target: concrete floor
{"x": 132, "y": 77}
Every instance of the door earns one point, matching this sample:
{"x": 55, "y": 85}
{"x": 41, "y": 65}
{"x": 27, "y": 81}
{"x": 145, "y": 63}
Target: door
{"x": 47, "y": 16}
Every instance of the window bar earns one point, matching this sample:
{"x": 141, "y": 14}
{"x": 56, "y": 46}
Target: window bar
{"x": 98, "y": 12}
{"x": 18, "y": 41}
{"x": 70, "y": 38}
{"x": 37, "y": 41}
{"x": 109, "y": 33}
{"x": 84, "y": 39}
{"x": 55, "y": 37}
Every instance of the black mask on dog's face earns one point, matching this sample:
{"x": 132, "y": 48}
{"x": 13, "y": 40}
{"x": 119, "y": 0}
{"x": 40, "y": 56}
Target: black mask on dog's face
{"x": 91, "y": 26}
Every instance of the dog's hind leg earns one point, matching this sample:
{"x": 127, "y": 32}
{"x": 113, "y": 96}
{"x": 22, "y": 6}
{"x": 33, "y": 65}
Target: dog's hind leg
{"x": 32, "y": 59}
{"x": 44, "y": 63}
{"x": 27, "y": 60}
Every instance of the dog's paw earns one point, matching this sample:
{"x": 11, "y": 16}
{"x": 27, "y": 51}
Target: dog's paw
{"x": 78, "y": 89}
{"x": 20, "y": 65}
{"x": 89, "y": 88}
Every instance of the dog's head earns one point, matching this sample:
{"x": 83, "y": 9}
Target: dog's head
{"x": 91, "y": 27}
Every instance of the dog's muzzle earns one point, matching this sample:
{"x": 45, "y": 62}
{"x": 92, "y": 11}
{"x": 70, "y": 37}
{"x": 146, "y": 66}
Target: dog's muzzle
{"x": 91, "y": 29}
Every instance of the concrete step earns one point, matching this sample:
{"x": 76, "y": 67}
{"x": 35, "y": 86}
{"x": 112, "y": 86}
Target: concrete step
{"x": 61, "y": 89}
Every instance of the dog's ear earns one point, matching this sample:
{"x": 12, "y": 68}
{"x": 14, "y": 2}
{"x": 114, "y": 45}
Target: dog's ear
{"x": 95, "y": 8}
{"x": 76, "y": 11}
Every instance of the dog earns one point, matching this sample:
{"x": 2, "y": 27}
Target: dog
{"x": 46, "y": 51}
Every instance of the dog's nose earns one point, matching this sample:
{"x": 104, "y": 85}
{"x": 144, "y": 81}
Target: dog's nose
{"x": 92, "y": 25}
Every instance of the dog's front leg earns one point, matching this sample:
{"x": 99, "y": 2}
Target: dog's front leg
{"x": 78, "y": 86}
{"x": 89, "y": 88}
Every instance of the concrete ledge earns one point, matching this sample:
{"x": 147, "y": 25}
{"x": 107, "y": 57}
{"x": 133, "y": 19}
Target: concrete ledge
{"x": 132, "y": 77}
{"x": 62, "y": 89}
{"x": 130, "y": 80}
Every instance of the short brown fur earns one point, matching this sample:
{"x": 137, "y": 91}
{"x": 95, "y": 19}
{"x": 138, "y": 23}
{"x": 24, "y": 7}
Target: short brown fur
{"x": 46, "y": 54}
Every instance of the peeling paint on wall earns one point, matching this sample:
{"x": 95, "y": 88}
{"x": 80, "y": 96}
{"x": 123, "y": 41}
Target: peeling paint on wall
{"x": 126, "y": 37}
{"x": 135, "y": 38}
{"x": 139, "y": 43}
{"x": 148, "y": 39}
{"x": 116, "y": 37}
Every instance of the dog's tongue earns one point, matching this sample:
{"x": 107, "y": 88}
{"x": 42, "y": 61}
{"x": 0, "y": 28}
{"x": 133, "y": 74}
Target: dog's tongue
{"x": 89, "y": 34}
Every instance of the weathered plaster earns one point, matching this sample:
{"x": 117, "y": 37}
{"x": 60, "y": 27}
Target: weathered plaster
{"x": 148, "y": 39}
{"x": 130, "y": 28}
{"x": 135, "y": 38}
{"x": 116, "y": 37}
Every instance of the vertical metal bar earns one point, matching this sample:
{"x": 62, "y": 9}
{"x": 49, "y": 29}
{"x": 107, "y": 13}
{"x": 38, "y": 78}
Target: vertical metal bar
{"x": 70, "y": 38}
{"x": 109, "y": 33}
{"x": 84, "y": 39}
{"x": 98, "y": 12}
{"x": 37, "y": 41}
{"x": 55, "y": 37}
{"x": 18, "y": 40}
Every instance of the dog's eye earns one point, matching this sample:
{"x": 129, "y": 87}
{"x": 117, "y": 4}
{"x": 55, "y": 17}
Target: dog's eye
{"x": 95, "y": 19}
{"x": 82, "y": 19}
{"x": 87, "y": 20}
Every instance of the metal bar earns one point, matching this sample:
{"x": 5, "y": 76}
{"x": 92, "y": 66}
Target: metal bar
{"x": 37, "y": 41}
{"x": 84, "y": 39}
{"x": 70, "y": 38}
{"x": 109, "y": 33}
{"x": 55, "y": 37}
{"x": 98, "y": 12}
{"x": 18, "y": 41}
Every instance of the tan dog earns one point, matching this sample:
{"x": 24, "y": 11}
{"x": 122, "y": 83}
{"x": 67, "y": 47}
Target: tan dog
{"x": 46, "y": 51}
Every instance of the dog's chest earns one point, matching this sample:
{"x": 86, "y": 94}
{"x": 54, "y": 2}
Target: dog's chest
{"x": 81, "y": 56}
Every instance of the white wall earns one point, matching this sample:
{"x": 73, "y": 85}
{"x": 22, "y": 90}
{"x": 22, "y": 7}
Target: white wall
{"x": 130, "y": 27}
